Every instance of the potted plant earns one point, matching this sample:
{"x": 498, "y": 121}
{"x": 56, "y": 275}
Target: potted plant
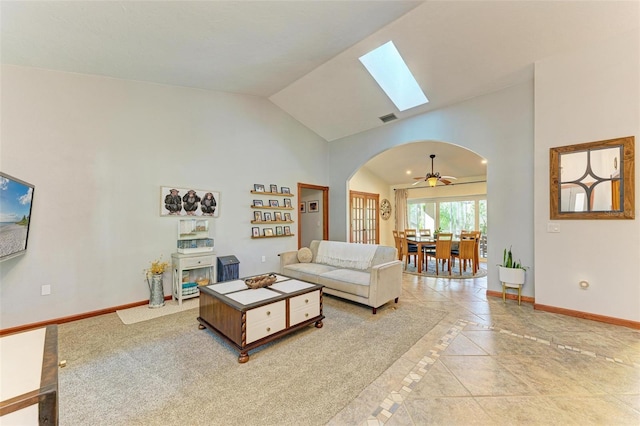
{"x": 154, "y": 281}
{"x": 511, "y": 274}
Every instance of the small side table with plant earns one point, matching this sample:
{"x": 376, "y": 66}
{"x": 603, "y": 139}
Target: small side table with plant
{"x": 511, "y": 274}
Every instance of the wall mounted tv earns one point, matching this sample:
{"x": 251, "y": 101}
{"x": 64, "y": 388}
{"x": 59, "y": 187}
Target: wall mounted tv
{"x": 16, "y": 197}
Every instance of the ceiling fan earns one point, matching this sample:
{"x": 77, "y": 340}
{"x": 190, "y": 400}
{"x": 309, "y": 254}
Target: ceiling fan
{"x": 434, "y": 177}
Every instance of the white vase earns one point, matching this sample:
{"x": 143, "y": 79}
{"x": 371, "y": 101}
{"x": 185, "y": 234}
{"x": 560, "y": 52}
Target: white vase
{"x": 511, "y": 275}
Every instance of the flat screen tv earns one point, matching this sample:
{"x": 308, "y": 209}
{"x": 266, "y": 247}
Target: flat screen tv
{"x": 16, "y": 198}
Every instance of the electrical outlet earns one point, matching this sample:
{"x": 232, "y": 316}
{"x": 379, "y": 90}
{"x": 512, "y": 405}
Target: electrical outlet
{"x": 46, "y": 290}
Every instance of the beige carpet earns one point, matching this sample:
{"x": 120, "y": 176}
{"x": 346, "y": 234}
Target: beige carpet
{"x": 166, "y": 371}
{"x": 145, "y": 313}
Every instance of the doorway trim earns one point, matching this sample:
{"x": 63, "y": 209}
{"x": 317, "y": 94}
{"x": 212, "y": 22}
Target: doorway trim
{"x": 325, "y": 210}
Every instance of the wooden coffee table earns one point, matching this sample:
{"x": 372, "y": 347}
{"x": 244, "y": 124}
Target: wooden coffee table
{"x": 248, "y": 318}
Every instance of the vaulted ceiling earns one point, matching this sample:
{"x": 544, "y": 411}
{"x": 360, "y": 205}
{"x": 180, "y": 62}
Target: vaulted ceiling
{"x": 303, "y": 55}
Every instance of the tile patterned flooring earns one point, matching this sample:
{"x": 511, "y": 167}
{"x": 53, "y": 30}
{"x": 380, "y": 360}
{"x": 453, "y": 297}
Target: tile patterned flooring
{"x": 494, "y": 363}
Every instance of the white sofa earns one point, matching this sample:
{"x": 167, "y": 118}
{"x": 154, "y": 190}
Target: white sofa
{"x": 364, "y": 273}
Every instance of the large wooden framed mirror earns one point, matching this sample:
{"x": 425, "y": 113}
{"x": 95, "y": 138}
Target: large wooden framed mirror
{"x": 593, "y": 180}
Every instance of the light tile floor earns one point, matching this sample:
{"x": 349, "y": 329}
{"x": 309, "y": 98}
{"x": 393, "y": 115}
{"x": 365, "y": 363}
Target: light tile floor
{"x": 494, "y": 363}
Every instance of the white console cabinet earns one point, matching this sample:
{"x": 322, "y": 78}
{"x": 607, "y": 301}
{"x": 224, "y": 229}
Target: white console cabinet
{"x": 190, "y": 271}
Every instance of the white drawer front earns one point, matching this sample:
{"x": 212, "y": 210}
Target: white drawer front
{"x": 197, "y": 261}
{"x": 304, "y": 307}
{"x": 266, "y": 320}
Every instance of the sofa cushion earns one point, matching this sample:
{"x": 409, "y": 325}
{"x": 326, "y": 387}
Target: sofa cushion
{"x": 347, "y": 281}
{"x": 309, "y": 268}
{"x": 305, "y": 255}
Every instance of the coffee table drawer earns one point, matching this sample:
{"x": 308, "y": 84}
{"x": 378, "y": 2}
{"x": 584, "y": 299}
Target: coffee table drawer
{"x": 304, "y": 307}
{"x": 266, "y": 320}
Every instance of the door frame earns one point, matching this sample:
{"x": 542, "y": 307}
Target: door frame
{"x": 325, "y": 210}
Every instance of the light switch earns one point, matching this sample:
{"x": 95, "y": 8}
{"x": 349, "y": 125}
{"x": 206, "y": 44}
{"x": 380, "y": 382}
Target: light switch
{"x": 553, "y": 227}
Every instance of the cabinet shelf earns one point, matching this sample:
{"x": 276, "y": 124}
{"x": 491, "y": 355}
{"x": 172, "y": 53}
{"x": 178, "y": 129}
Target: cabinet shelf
{"x": 271, "y": 236}
{"x": 271, "y": 208}
{"x": 281, "y": 194}
{"x": 269, "y": 222}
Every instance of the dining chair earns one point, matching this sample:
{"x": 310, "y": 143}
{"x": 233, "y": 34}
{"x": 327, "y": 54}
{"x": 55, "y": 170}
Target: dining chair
{"x": 424, "y": 232}
{"x": 398, "y": 241}
{"x": 443, "y": 251}
{"x": 466, "y": 252}
{"x": 477, "y": 251}
{"x": 409, "y": 250}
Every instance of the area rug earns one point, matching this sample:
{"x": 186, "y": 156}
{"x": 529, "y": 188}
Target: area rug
{"x": 166, "y": 371}
{"x": 455, "y": 271}
{"x": 144, "y": 313}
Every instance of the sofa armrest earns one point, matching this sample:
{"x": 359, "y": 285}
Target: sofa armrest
{"x": 385, "y": 283}
{"x": 288, "y": 258}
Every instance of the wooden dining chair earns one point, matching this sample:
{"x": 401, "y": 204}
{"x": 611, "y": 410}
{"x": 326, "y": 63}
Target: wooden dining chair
{"x": 409, "y": 250}
{"x": 466, "y": 252}
{"x": 443, "y": 251}
{"x": 477, "y": 251}
{"x": 424, "y": 232}
{"x": 398, "y": 241}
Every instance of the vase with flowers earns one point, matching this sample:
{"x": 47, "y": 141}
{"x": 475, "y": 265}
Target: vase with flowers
{"x": 154, "y": 281}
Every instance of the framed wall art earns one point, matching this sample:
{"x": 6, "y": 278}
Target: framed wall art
{"x": 176, "y": 201}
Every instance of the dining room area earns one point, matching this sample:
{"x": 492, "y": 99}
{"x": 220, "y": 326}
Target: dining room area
{"x": 441, "y": 254}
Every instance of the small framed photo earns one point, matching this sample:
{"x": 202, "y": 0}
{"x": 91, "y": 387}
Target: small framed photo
{"x": 273, "y": 203}
{"x": 287, "y": 230}
{"x": 273, "y": 188}
{"x": 255, "y": 231}
{"x": 258, "y": 187}
{"x": 279, "y": 230}
{"x": 257, "y": 216}
{"x": 285, "y": 190}
{"x": 277, "y": 216}
{"x": 257, "y": 203}
{"x": 287, "y": 202}
{"x": 267, "y": 216}
{"x": 314, "y": 206}
{"x": 303, "y": 207}
{"x": 268, "y": 232}
{"x": 287, "y": 217}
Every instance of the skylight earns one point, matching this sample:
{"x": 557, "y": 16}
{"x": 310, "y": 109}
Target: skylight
{"x": 390, "y": 71}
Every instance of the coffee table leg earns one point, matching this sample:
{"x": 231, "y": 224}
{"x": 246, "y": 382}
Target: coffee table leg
{"x": 243, "y": 357}
{"x": 319, "y": 324}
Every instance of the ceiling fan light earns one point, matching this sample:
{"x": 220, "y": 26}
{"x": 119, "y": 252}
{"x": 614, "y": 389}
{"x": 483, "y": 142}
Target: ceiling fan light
{"x": 432, "y": 181}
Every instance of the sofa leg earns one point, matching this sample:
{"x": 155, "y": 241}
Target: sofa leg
{"x": 396, "y": 299}
{"x": 375, "y": 310}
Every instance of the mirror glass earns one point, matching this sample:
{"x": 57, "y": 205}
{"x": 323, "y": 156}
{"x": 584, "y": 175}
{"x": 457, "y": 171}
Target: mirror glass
{"x": 593, "y": 180}
{"x": 588, "y": 179}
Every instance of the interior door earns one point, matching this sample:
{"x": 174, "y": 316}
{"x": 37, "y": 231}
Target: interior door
{"x": 363, "y": 212}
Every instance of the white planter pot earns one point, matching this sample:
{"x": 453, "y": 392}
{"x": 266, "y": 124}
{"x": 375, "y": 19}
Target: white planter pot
{"x": 511, "y": 275}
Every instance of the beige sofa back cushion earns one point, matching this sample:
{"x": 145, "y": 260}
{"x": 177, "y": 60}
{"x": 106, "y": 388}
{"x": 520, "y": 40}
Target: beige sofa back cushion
{"x": 383, "y": 254}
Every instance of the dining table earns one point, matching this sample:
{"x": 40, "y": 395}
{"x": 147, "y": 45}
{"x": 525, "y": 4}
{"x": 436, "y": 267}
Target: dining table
{"x": 430, "y": 242}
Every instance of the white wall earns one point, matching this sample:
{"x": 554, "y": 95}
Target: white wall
{"x": 588, "y": 95}
{"x": 365, "y": 181}
{"x": 99, "y": 149}
{"x": 498, "y": 127}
